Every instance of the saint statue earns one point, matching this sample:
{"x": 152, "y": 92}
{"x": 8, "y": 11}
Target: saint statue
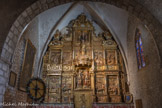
{"x": 86, "y": 80}
{"x": 111, "y": 58}
{"x": 83, "y": 50}
{"x": 80, "y": 79}
{"x": 57, "y": 38}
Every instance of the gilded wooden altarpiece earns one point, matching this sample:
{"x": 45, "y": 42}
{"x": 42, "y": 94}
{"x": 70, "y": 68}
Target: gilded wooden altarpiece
{"x": 81, "y": 67}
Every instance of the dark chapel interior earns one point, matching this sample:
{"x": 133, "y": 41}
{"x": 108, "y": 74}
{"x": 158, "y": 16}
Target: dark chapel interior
{"x": 81, "y": 53}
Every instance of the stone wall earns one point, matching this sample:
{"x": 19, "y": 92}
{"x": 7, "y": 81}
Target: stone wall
{"x": 131, "y": 6}
{"x": 154, "y": 6}
{"x": 10, "y": 31}
{"x": 9, "y": 12}
{"x": 144, "y": 83}
{"x": 4, "y": 69}
{"x": 13, "y": 94}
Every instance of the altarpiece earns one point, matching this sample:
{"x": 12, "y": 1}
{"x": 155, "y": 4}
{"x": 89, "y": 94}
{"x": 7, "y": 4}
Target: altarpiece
{"x": 81, "y": 67}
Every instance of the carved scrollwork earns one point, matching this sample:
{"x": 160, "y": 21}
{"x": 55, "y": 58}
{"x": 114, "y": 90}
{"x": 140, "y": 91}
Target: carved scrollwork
{"x": 81, "y": 21}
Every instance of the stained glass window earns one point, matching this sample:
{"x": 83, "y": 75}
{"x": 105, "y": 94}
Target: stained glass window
{"x": 139, "y": 50}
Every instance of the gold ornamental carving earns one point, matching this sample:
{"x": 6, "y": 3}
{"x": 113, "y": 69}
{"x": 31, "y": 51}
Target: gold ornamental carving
{"x": 81, "y": 67}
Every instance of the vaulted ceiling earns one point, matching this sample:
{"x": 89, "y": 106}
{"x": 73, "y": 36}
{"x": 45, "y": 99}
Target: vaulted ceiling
{"x": 11, "y": 9}
{"x": 154, "y": 6}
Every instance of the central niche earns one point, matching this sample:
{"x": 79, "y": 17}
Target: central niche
{"x": 81, "y": 67}
{"x": 83, "y": 79}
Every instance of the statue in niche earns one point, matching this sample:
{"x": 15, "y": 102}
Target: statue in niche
{"x": 111, "y": 58}
{"x": 83, "y": 50}
{"x": 98, "y": 58}
{"x": 83, "y": 80}
{"x": 80, "y": 79}
{"x": 86, "y": 83}
{"x": 83, "y": 37}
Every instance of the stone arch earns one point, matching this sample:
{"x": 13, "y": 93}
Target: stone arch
{"x": 42, "y": 5}
{"x": 105, "y": 26}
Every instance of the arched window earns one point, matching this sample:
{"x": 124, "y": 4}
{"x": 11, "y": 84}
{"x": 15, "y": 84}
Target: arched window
{"x": 139, "y": 49}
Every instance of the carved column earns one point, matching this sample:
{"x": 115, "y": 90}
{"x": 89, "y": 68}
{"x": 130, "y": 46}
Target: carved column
{"x": 93, "y": 86}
